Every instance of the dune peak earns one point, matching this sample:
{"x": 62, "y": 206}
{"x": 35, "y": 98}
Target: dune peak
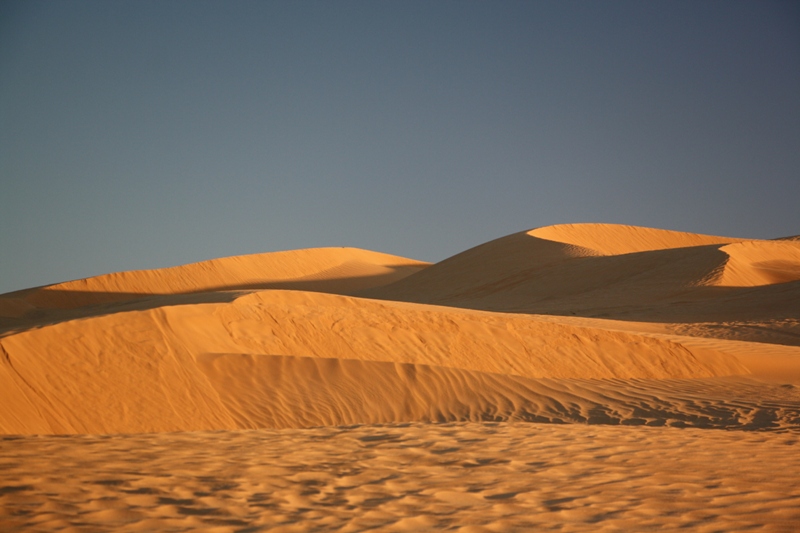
{"x": 337, "y": 270}
{"x": 345, "y": 335}
{"x": 615, "y": 239}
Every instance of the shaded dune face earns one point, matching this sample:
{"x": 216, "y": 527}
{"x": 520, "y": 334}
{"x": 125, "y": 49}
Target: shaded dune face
{"x": 603, "y": 270}
{"x": 328, "y": 270}
{"x": 344, "y": 336}
{"x": 336, "y": 270}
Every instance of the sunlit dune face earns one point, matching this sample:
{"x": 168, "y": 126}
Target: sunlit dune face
{"x": 412, "y": 370}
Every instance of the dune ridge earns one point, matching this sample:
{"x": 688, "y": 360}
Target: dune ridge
{"x": 319, "y": 269}
{"x": 573, "y": 377}
{"x": 154, "y": 347}
{"x": 621, "y": 272}
{"x": 149, "y": 359}
{"x": 757, "y": 263}
{"x": 617, "y": 239}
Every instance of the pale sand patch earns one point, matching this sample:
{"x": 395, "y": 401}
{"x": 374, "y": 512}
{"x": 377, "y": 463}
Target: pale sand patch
{"x": 412, "y": 477}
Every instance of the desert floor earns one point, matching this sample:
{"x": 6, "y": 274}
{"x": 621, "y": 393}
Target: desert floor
{"x": 583, "y": 377}
{"x": 464, "y": 476}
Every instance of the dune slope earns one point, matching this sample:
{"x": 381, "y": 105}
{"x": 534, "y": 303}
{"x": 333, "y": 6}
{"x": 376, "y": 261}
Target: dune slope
{"x": 337, "y": 270}
{"x": 621, "y": 272}
{"x": 272, "y": 340}
{"x": 294, "y": 359}
{"x": 567, "y": 378}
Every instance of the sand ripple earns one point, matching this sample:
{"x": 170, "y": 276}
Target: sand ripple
{"x": 407, "y": 477}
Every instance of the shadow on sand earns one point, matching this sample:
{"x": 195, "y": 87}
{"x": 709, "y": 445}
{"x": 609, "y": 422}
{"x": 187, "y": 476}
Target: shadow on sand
{"x": 42, "y": 306}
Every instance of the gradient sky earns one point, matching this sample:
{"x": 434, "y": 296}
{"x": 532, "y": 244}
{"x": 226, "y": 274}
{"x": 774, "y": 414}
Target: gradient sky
{"x": 148, "y": 134}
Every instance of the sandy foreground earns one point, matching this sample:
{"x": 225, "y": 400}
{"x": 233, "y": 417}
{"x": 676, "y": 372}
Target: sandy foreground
{"x": 406, "y": 477}
{"x": 583, "y": 377}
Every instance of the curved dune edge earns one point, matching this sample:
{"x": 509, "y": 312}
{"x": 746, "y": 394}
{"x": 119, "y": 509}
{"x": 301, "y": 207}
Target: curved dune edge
{"x": 758, "y": 263}
{"x": 749, "y": 263}
{"x": 183, "y": 348}
{"x": 301, "y": 323}
{"x": 620, "y": 272}
{"x": 616, "y": 239}
{"x": 147, "y": 370}
{"x": 322, "y": 269}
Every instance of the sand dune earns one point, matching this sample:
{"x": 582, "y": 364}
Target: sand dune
{"x": 337, "y": 270}
{"x": 141, "y": 344}
{"x": 756, "y": 263}
{"x": 622, "y": 272}
{"x": 412, "y": 368}
{"x": 616, "y": 239}
{"x": 144, "y": 367}
{"x": 563, "y": 260}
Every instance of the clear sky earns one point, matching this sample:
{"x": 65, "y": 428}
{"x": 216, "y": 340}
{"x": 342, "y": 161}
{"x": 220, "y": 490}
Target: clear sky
{"x": 138, "y": 134}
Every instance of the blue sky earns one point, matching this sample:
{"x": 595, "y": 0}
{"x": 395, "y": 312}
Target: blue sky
{"x": 148, "y": 134}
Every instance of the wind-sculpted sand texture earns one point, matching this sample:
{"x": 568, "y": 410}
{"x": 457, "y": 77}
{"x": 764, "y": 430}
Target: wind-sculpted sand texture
{"x": 468, "y": 477}
{"x": 280, "y": 391}
{"x": 149, "y": 369}
{"x": 573, "y": 378}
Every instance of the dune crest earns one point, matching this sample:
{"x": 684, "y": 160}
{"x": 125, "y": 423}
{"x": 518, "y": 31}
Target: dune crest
{"x": 624, "y": 273}
{"x": 150, "y": 369}
{"x": 321, "y": 269}
{"x": 506, "y": 330}
{"x": 616, "y": 239}
{"x": 344, "y": 389}
{"x": 564, "y": 260}
{"x": 757, "y": 263}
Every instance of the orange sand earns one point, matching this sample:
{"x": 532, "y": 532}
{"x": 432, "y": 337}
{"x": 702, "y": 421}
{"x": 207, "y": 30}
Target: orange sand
{"x": 575, "y": 324}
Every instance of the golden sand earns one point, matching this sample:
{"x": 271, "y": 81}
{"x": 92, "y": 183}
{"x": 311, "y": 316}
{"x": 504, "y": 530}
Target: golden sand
{"x": 574, "y": 378}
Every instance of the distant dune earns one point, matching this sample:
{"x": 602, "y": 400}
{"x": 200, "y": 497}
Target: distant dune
{"x": 742, "y": 289}
{"x": 350, "y": 389}
{"x": 337, "y": 270}
{"x": 273, "y": 340}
